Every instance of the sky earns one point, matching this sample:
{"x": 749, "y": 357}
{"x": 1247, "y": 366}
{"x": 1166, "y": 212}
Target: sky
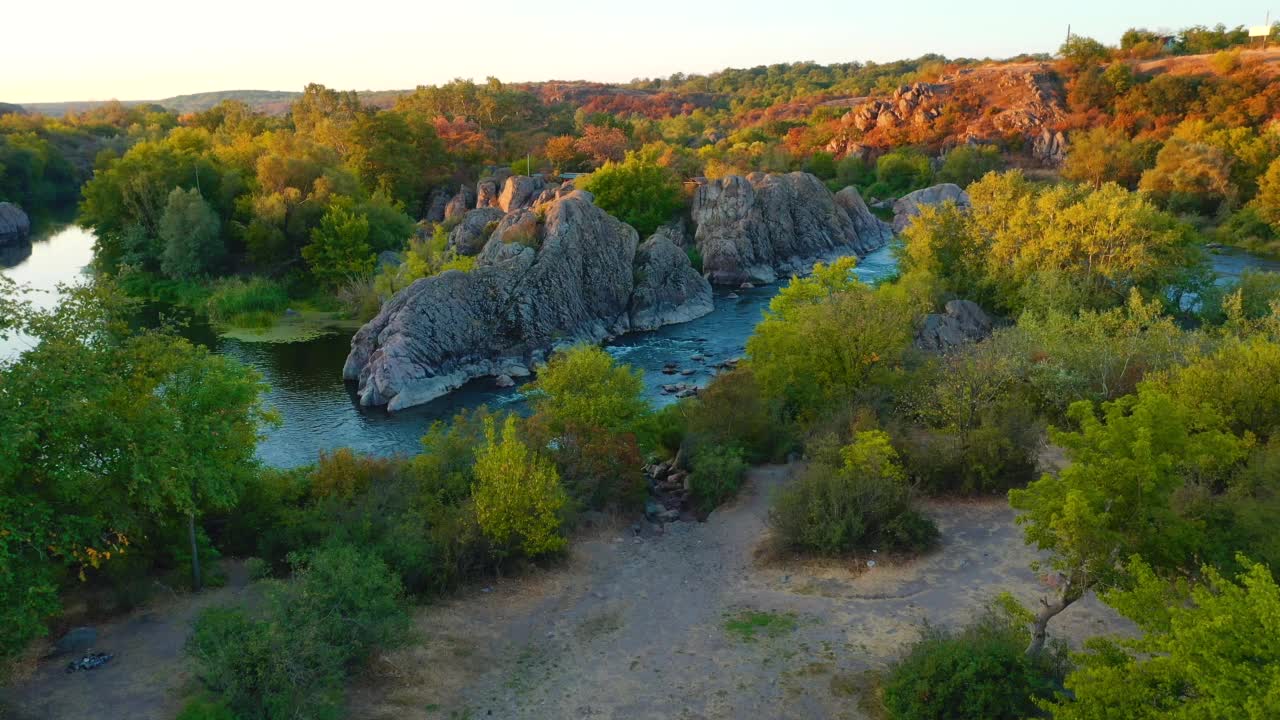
{"x": 153, "y": 49}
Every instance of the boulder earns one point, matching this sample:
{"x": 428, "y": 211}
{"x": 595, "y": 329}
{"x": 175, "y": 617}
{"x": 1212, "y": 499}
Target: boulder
{"x": 865, "y": 222}
{"x": 459, "y": 204}
{"x": 752, "y": 229}
{"x": 667, "y": 289}
{"x": 1049, "y": 147}
{"x": 960, "y": 323}
{"x": 444, "y": 330}
{"x": 15, "y": 226}
{"x": 486, "y": 194}
{"x": 520, "y": 191}
{"x": 437, "y": 201}
{"x": 908, "y": 206}
{"x": 469, "y": 236}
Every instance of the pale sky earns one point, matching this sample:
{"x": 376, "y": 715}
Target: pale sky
{"x": 152, "y": 49}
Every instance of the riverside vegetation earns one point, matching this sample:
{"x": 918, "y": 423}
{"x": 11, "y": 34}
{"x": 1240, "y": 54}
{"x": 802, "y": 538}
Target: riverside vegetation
{"x": 130, "y": 451}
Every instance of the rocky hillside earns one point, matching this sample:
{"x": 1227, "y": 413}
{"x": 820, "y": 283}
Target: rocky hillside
{"x": 552, "y": 269}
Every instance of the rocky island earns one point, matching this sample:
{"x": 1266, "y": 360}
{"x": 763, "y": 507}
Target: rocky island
{"x": 555, "y": 270}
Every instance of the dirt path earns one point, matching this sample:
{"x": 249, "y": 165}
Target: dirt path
{"x": 146, "y": 677}
{"x": 639, "y": 627}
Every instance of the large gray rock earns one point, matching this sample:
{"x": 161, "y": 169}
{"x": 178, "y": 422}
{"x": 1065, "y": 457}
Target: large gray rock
{"x": 469, "y": 236}
{"x": 459, "y": 204}
{"x": 962, "y": 322}
{"x": 865, "y": 222}
{"x": 15, "y": 226}
{"x": 668, "y": 289}
{"x": 908, "y": 206}
{"x": 447, "y": 329}
{"x": 486, "y": 194}
{"x": 1050, "y": 147}
{"x": 520, "y": 191}
{"x": 437, "y": 201}
{"x": 753, "y": 229}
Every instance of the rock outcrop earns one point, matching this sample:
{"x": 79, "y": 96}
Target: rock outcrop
{"x": 668, "y": 289}
{"x": 437, "y": 201}
{"x": 908, "y": 206}
{"x": 469, "y": 236}
{"x": 459, "y": 204}
{"x": 520, "y": 191}
{"x": 15, "y": 226}
{"x": 753, "y": 229}
{"x": 536, "y": 286}
{"x": 1049, "y": 147}
{"x": 962, "y": 322}
{"x": 865, "y": 223}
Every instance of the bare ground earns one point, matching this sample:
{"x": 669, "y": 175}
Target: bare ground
{"x": 636, "y": 627}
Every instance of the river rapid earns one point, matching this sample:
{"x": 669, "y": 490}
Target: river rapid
{"x": 320, "y": 412}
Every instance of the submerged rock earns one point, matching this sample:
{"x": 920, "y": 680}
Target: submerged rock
{"x": 15, "y": 226}
{"x": 571, "y": 282}
{"x": 753, "y": 229}
{"x": 908, "y": 206}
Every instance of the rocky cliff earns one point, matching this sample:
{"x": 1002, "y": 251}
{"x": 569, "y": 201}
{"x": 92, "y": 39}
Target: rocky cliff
{"x": 14, "y": 224}
{"x": 907, "y": 207}
{"x": 579, "y": 275}
{"x": 754, "y": 229}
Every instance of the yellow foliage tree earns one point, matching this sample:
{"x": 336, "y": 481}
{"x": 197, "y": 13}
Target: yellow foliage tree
{"x": 517, "y": 494}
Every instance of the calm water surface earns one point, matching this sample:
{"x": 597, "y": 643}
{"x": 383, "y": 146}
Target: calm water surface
{"x": 319, "y": 411}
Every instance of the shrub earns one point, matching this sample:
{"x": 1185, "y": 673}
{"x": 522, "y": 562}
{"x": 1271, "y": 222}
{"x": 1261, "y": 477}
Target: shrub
{"x": 191, "y": 233}
{"x": 981, "y": 672}
{"x": 246, "y": 303}
{"x": 339, "y": 246}
{"x": 967, "y": 163}
{"x": 340, "y": 604}
{"x": 204, "y": 709}
{"x": 862, "y": 504}
{"x": 717, "y": 475}
{"x": 901, "y": 171}
{"x": 639, "y": 193}
{"x": 731, "y": 411}
{"x": 517, "y": 493}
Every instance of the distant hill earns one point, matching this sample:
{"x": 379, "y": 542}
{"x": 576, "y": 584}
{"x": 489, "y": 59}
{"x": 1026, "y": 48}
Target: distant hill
{"x": 6, "y": 108}
{"x": 275, "y": 102}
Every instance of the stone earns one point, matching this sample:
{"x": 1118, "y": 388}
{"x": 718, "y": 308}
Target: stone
{"x": 754, "y": 229}
{"x": 864, "y": 221}
{"x": 520, "y": 191}
{"x": 486, "y": 194}
{"x": 469, "y": 236}
{"x": 908, "y": 206}
{"x": 961, "y": 322}
{"x": 1049, "y": 147}
{"x": 504, "y": 381}
{"x": 459, "y": 204}
{"x": 15, "y": 226}
{"x": 437, "y": 201}
{"x": 445, "y": 330}
{"x": 668, "y": 289}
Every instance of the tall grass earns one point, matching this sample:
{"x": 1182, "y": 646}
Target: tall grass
{"x": 255, "y": 302}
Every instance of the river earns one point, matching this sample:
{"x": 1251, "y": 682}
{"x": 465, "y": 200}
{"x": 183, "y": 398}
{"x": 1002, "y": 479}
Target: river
{"x": 319, "y": 411}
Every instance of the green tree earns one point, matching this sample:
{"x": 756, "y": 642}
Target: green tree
{"x": 192, "y": 235}
{"x": 636, "y": 192}
{"x": 584, "y": 386}
{"x": 1080, "y": 52}
{"x": 968, "y": 163}
{"x": 1211, "y": 651}
{"x": 517, "y": 494}
{"x": 1115, "y": 499}
{"x": 1101, "y": 155}
{"x": 1267, "y": 201}
{"x": 339, "y": 247}
{"x": 901, "y": 171}
{"x": 1190, "y": 177}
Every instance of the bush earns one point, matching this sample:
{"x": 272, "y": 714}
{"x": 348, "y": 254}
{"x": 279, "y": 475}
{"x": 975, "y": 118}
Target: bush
{"x": 517, "y": 494}
{"x": 732, "y": 411}
{"x": 203, "y": 709}
{"x": 981, "y": 672}
{"x": 639, "y": 193}
{"x": 902, "y": 171}
{"x": 863, "y": 503}
{"x": 717, "y": 475}
{"x": 246, "y": 303}
{"x": 340, "y": 604}
{"x": 968, "y": 163}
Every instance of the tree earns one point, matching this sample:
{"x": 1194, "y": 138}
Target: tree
{"x": 1267, "y": 201}
{"x": 636, "y": 192}
{"x": 517, "y": 494}
{"x": 901, "y": 171}
{"x": 1115, "y": 499}
{"x": 968, "y": 163}
{"x": 1103, "y": 154}
{"x": 192, "y": 235}
{"x": 1190, "y": 177}
{"x": 110, "y": 433}
{"x": 1210, "y": 651}
{"x": 602, "y": 144}
{"x": 584, "y": 386}
{"x": 339, "y": 247}
{"x": 563, "y": 154}
{"x": 1080, "y": 52}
